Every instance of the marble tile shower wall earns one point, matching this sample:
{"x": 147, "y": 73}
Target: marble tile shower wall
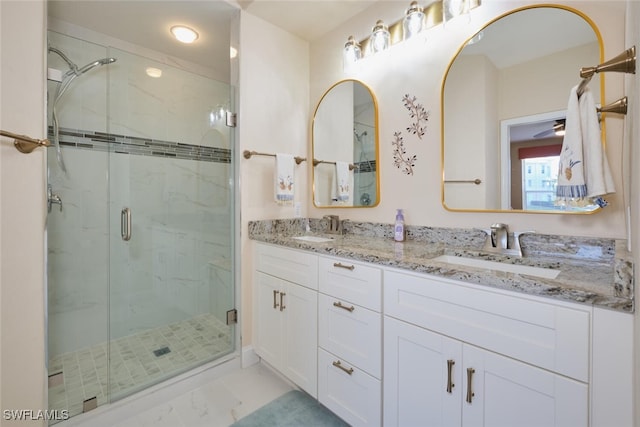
{"x": 170, "y": 164}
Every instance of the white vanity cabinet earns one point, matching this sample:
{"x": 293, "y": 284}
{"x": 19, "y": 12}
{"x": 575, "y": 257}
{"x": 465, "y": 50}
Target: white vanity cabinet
{"x": 285, "y": 313}
{"x": 350, "y": 340}
{"x": 455, "y": 355}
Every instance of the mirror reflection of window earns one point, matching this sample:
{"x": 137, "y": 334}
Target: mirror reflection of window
{"x": 515, "y": 74}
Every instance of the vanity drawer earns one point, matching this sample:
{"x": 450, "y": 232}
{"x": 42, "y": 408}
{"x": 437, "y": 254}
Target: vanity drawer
{"x": 349, "y": 392}
{"x": 352, "y": 332}
{"x": 291, "y": 265}
{"x": 350, "y": 281}
{"x": 552, "y": 336}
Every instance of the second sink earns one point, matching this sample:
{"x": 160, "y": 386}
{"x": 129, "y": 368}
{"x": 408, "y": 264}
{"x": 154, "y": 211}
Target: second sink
{"x": 546, "y": 273}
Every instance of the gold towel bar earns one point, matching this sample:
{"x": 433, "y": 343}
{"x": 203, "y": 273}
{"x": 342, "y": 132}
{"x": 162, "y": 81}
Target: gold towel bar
{"x": 25, "y": 144}
{"x": 247, "y": 155}
{"x": 476, "y": 181}
{"x": 316, "y": 162}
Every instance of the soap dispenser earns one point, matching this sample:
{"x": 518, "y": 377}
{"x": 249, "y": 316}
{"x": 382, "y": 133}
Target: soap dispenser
{"x": 398, "y": 229}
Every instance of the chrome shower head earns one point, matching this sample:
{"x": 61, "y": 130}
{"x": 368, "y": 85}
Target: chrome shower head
{"x": 91, "y": 65}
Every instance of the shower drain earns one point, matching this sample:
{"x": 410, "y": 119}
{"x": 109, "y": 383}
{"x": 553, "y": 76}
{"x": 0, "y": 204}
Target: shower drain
{"x": 161, "y": 351}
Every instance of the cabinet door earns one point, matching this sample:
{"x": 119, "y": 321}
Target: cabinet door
{"x": 417, "y": 374}
{"x": 504, "y": 392}
{"x": 300, "y": 333}
{"x": 268, "y": 319}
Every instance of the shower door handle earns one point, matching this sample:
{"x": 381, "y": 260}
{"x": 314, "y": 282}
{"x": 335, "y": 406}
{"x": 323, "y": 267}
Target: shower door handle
{"x": 125, "y": 224}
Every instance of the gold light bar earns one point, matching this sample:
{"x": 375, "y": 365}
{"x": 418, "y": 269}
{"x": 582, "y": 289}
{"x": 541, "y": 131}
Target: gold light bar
{"x": 432, "y": 17}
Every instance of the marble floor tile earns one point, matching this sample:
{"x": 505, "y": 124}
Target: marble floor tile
{"x": 217, "y": 403}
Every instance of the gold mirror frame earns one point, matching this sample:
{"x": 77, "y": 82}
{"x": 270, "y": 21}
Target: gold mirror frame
{"x": 598, "y": 36}
{"x": 319, "y": 161}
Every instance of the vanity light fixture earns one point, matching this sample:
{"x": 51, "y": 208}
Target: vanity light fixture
{"x": 380, "y": 37}
{"x": 413, "y": 22}
{"x": 455, "y": 13}
{"x": 184, "y": 34}
{"x": 352, "y": 51}
{"x": 416, "y": 19}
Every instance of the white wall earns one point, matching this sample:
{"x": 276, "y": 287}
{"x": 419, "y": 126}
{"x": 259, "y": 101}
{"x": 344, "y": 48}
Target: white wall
{"x": 273, "y": 117}
{"x": 632, "y": 141}
{"x": 401, "y": 71}
{"x": 22, "y": 213}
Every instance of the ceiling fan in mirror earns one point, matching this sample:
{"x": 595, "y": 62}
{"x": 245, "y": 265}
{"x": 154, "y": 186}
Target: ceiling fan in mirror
{"x": 557, "y": 129}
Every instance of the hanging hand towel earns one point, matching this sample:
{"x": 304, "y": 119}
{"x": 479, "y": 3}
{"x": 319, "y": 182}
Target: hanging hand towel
{"x": 572, "y": 188}
{"x": 284, "y": 179}
{"x": 597, "y": 173}
{"x": 343, "y": 178}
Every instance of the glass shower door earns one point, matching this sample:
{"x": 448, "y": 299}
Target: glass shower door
{"x": 171, "y": 221}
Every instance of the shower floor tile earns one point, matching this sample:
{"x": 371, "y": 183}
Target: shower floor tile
{"x": 134, "y": 365}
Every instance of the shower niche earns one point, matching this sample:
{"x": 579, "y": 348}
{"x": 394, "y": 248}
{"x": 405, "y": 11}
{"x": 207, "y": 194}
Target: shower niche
{"x": 141, "y": 223}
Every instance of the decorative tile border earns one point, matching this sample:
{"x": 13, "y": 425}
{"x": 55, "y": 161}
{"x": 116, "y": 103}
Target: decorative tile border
{"x": 101, "y": 141}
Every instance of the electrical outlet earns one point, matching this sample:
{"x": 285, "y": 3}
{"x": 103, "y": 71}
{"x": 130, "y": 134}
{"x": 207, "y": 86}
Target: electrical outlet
{"x": 297, "y": 210}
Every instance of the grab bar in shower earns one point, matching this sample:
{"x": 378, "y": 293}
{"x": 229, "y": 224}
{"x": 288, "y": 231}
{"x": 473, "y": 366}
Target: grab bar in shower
{"x": 125, "y": 224}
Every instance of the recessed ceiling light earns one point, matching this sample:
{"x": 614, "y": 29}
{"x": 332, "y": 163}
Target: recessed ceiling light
{"x": 154, "y": 72}
{"x": 184, "y": 34}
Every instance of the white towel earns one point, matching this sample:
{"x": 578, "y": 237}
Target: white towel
{"x": 284, "y": 179}
{"x": 343, "y": 179}
{"x": 597, "y": 173}
{"x": 584, "y": 173}
{"x": 571, "y": 183}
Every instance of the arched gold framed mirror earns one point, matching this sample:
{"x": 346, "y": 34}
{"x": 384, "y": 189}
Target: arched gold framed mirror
{"x": 344, "y": 146}
{"x": 503, "y": 97}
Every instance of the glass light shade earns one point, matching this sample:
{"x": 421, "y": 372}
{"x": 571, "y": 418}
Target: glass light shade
{"x": 455, "y": 12}
{"x": 380, "y": 37}
{"x": 413, "y": 21}
{"x": 351, "y": 51}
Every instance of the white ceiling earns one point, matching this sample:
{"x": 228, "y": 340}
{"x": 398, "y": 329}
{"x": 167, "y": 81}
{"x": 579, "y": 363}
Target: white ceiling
{"x": 146, "y": 22}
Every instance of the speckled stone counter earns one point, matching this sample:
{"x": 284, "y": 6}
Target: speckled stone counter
{"x": 594, "y": 271}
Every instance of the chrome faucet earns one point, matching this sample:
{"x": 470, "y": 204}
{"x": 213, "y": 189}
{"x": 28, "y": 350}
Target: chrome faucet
{"x": 499, "y": 236}
{"x": 335, "y": 226}
{"x": 498, "y": 240}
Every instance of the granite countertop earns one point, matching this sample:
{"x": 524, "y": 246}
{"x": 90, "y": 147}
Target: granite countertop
{"x": 593, "y": 271}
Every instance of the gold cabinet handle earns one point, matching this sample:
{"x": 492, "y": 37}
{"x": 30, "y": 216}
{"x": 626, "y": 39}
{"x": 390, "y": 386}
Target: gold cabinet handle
{"x": 275, "y": 303}
{"x": 450, "y": 384}
{"x": 282, "y": 307}
{"x": 470, "y": 394}
{"x": 338, "y": 365}
{"x": 341, "y": 265}
{"x": 339, "y": 305}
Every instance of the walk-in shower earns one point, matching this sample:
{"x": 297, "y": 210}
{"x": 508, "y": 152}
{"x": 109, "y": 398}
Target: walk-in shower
{"x": 140, "y": 279}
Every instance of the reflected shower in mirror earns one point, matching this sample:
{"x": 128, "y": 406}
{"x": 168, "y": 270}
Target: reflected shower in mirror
{"x": 504, "y": 99}
{"x": 345, "y": 147}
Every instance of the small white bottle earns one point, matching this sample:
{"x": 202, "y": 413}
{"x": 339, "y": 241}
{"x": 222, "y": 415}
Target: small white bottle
{"x": 398, "y": 229}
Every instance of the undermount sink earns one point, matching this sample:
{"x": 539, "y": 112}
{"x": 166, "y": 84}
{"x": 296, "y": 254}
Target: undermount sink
{"x": 314, "y": 239}
{"x": 546, "y": 273}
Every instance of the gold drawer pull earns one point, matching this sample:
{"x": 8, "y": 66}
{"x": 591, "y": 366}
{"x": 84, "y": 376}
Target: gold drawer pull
{"x": 450, "y": 384}
{"x": 338, "y": 365}
{"x": 470, "y": 393}
{"x": 275, "y": 303}
{"x": 339, "y": 305}
{"x": 341, "y": 265}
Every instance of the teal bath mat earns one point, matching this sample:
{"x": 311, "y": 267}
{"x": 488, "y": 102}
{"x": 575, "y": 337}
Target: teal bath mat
{"x": 293, "y": 409}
